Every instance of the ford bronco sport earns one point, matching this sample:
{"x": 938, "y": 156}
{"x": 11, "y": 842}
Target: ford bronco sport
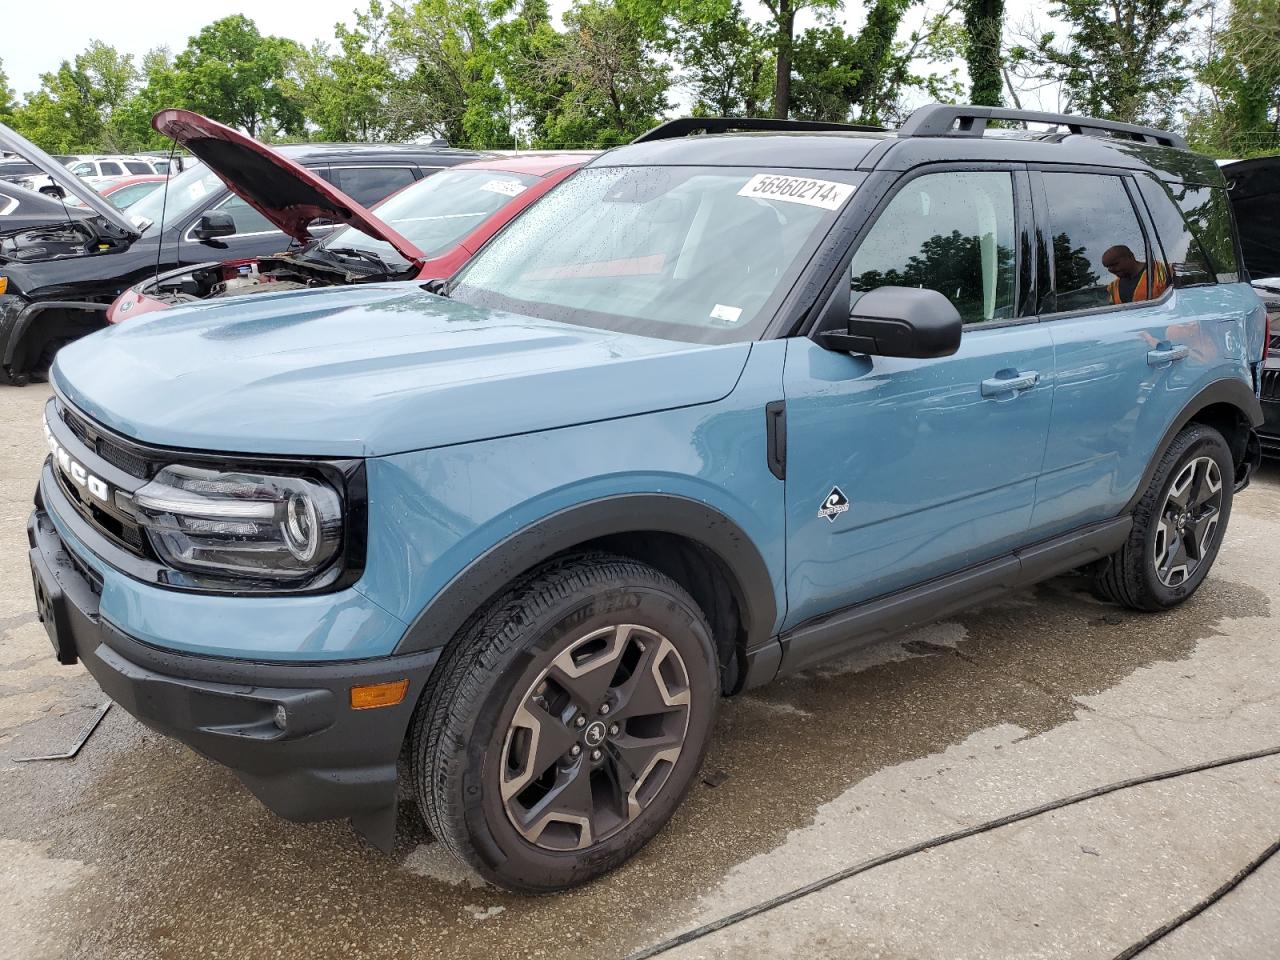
{"x": 715, "y": 408}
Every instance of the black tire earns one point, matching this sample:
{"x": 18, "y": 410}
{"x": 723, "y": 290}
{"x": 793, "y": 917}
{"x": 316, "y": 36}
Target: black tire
{"x": 1130, "y": 576}
{"x": 466, "y": 725}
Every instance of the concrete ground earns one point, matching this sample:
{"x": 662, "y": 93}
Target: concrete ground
{"x": 140, "y": 849}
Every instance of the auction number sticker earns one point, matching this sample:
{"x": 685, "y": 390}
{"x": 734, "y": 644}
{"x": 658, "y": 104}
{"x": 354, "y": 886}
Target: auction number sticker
{"x": 828, "y": 194}
{"x": 510, "y": 188}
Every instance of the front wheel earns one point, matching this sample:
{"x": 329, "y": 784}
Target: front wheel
{"x": 1178, "y": 525}
{"x": 566, "y": 723}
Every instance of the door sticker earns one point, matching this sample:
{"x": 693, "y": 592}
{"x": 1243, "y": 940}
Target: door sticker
{"x": 835, "y": 504}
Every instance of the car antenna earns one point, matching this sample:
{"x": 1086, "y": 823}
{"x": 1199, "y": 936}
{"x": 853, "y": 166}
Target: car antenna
{"x": 164, "y": 202}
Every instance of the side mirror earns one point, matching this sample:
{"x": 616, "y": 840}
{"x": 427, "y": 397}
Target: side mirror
{"x": 899, "y": 322}
{"x": 214, "y": 224}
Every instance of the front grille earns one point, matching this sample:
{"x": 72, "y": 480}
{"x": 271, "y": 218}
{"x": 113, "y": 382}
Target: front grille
{"x": 113, "y": 521}
{"x": 110, "y": 450}
{"x": 1271, "y": 384}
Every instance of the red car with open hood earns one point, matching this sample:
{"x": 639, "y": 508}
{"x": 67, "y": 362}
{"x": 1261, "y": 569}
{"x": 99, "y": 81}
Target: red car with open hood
{"x": 425, "y": 231}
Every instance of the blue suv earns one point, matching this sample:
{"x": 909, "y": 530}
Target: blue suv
{"x": 716, "y": 408}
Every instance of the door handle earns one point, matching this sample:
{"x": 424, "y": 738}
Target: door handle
{"x": 999, "y": 386}
{"x": 1167, "y": 354}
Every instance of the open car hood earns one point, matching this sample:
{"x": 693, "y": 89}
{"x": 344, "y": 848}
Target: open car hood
{"x": 14, "y": 142}
{"x": 1254, "y": 189}
{"x": 287, "y": 194}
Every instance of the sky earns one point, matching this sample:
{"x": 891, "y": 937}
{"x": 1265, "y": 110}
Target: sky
{"x": 34, "y": 41}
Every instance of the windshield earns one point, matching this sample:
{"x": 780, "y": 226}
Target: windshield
{"x": 437, "y": 212}
{"x": 187, "y": 190}
{"x": 701, "y": 254}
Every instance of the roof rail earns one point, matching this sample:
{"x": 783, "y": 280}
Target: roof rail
{"x": 941, "y": 120}
{"x": 685, "y": 126}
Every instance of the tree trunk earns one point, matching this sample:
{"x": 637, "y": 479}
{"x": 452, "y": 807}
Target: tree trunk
{"x": 782, "y": 87}
{"x": 983, "y": 21}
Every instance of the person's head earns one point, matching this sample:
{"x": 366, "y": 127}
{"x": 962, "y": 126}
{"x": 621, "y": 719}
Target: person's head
{"x": 1121, "y": 261}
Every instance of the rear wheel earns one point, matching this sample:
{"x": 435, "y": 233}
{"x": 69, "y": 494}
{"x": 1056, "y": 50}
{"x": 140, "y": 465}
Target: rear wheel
{"x": 566, "y": 723}
{"x": 1178, "y": 525}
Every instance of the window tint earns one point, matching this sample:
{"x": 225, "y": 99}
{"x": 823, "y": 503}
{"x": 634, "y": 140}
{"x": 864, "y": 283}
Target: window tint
{"x": 1209, "y": 215}
{"x": 950, "y": 232}
{"x": 1184, "y": 259}
{"x": 109, "y": 168}
{"x": 136, "y": 166}
{"x": 248, "y": 220}
{"x": 1099, "y": 255}
{"x": 368, "y": 185}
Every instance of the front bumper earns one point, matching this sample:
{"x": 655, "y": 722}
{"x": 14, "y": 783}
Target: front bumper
{"x": 323, "y": 760}
{"x": 1269, "y": 432}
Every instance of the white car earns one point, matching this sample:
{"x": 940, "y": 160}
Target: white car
{"x": 98, "y": 170}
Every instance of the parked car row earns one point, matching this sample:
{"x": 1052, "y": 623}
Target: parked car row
{"x": 715, "y": 406}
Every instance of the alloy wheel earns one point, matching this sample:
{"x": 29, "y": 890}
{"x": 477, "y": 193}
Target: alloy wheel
{"x": 1188, "y": 521}
{"x": 595, "y": 737}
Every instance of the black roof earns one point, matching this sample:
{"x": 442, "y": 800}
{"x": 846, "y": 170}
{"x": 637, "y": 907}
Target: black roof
{"x": 1080, "y": 140}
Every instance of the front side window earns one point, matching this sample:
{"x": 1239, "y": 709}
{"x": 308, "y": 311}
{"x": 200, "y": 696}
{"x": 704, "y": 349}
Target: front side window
{"x": 83, "y": 170}
{"x": 247, "y": 219}
{"x": 1184, "y": 259}
{"x": 951, "y": 232}
{"x": 136, "y": 167}
{"x": 109, "y": 168}
{"x": 700, "y": 254}
{"x": 1099, "y": 254}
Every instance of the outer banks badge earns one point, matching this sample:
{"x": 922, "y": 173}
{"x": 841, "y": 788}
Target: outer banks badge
{"x": 835, "y": 504}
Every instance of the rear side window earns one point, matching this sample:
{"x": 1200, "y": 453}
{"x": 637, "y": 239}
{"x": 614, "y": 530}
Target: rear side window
{"x": 1098, "y": 251}
{"x": 1208, "y": 214}
{"x": 134, "y": 166}
{"x": 1184, "y": 258}
{"x": 109, "y": 168}
{"x": 950, "y": 232}
{"x": 368, "y": 185}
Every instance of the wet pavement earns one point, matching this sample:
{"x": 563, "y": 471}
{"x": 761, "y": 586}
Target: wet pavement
{"x": 140, "y": 849}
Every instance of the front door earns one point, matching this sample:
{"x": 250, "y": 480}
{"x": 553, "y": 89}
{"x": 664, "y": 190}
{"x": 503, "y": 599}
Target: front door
{"x": 899, "y": 470}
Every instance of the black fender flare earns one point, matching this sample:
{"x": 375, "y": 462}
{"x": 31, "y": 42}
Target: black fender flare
{"x": 640, "y": 513}
{"x": 32, "y": 310}
{"x": 1235, "y": 393}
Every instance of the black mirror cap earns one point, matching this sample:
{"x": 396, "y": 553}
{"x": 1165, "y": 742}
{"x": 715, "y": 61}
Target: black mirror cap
{"x": 900, "y": 322}
{"x": 215, "y": 223}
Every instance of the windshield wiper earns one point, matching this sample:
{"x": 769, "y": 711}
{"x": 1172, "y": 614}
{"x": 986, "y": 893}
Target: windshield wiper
{"x": 365, "y": 255}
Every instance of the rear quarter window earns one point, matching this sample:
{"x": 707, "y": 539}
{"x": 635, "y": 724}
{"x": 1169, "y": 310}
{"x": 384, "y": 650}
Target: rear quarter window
{"x": 1185, "y": 259}
{"x": 1208, "y": 214}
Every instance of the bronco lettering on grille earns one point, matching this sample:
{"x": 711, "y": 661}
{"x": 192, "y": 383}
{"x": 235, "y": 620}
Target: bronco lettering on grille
{"x": 74, "y": 470}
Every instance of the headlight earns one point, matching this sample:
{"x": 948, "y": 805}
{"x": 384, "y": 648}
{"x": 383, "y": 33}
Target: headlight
{"x": 241, "y": 524}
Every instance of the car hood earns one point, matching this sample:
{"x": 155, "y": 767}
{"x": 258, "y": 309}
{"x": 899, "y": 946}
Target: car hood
{"x": 287, "y": 194}
{"x": 14, "y": 142}
{"x": 369, "y": 371}
{"x": 1253, "y": 187}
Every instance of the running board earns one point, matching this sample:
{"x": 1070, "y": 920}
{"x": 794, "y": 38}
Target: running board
{"x": 872, "y": 620}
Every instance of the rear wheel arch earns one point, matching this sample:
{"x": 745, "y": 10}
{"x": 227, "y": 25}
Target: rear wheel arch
{"x": 1227, "y": 405}
{"x": 693, "y": 543}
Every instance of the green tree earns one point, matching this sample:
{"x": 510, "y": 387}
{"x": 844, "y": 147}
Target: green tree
{"x": 866, "y": 77}
{"x": 344, "y": 93}
{"x": 727, "y": 65}
{"x": 158, "y": 91}
{"x": 232, "y": 73}
{"x": 76, "y": 107}
{"x": 617, "y": 88}
{"x": 1240, "y": 115}
{"x": 782, "y": 19}
{"x": 7, "y": 104}
{"x": 1120, "y": 59}
{"x": 984, "y": 22}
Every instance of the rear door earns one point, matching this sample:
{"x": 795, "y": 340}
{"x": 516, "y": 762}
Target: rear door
{"x": 1139, "y": 327}
{"x": 900, "y": 470}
